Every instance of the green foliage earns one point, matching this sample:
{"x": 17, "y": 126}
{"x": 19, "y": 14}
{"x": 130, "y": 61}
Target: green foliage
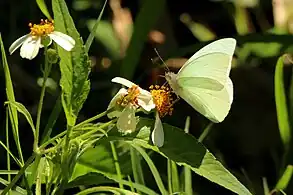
{"x": 10, "y": 97}
{"x": 282, "y": 112}
{"x": 74, "y": 65}
{"x": 43, "y": 7}
{"x": 93, "y": 156}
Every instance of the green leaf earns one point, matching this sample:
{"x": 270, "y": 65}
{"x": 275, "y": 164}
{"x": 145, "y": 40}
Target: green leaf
{"x": 184, "y": 149}
{"x": 90, "y": 178}
{"x": 43, "y": 7}
{"x": 281, "y": 105}
{"x": 21, "y": 108}
{"x": 96, "y": 178}
{"x": 149, "y": 14}
{"x": 74, "y": 65}
{"x": 100, "y": 158}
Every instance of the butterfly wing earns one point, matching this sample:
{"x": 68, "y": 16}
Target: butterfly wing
{"x": 158, "y": 132}
{"x": 213, "y": 104}
{"x": 209, "y": 67}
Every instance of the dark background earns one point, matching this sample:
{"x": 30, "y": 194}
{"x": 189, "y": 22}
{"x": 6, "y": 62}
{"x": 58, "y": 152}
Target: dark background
{"x": 247, "y": 141}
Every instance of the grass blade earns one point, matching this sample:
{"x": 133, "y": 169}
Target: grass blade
{"x": 10, "y": 97}
{"x": 187, "y": 170}
{"x": 116, "y": 162}
{"x": 91, "y": 37}
{"x": 285, "y": 178}
{"x": 21, "y": 108}
{"x": 281, "y": 105}
{"x": 19, "y": 174}
{"x": 153, "y": 169}
{"x": 175, "y": 177}
{"x": 136, "y": 167}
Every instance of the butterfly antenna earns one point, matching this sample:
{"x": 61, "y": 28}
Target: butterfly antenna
{"x": 162, "y": 59}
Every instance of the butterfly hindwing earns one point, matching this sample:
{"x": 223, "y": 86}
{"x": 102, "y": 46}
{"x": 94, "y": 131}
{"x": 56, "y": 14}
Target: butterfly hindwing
{"x": 214, "y": 105}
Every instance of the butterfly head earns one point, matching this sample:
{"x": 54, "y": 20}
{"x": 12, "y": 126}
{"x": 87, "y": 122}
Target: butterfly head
{"x": 171, "y": 79}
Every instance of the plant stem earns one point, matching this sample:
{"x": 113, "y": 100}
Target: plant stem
{"x": 51, "y": 140}
{"x": 7, "y": 145}
{"x": 19, "y": 174}
{"x": 116, "y": 162}
{"x": 92, "y": 119}
{"x": 205, "y": 132}
{"x": 84, "y": 136}
{"x": 40, "y": 106}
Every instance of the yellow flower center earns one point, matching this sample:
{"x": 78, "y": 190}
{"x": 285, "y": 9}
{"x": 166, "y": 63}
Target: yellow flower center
{"x": 44, "y": 28}
{"x": 130, "y": 97}
{"x": 163, "y": 99}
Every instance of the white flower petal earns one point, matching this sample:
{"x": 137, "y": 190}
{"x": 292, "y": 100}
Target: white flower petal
{"x": 127, "y": 121}
{"x": 112, "y": 103}
{"x": 146, "y": 102}
{"x": 30, "y": 47}
{"x": 158, "y": 132}
{"x": 16, "y": 44}
{"x": 123, "y": 81}
{"x": 65, "y": 41}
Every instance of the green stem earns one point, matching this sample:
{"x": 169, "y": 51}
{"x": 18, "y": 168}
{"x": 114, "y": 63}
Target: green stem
{"x": 116, "y": 162}
{"x": 40, "y": 106}
{"x": 169, "y": 176}
{"x": 42, "y": 147}
{"x": 92, "y": 119}
{"x": 205, "y": 132}
{"x": 7, "y": 145}
{"x": 85, "y": 135}
{"x": 19, "y": 174}
{"x": 51, "y": 140}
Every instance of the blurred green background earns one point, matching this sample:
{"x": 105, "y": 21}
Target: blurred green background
{"x": 248, "y": 141}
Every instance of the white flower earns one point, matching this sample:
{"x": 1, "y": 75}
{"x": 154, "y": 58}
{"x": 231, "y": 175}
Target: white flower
{"x": 32, "y": 42}
{"x": 129, "y": 100}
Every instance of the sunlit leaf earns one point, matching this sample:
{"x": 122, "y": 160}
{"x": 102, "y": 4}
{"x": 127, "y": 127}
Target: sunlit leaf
{"x": 43, "y": 7}
{"x": 184, "y": 149}
{"x": 74, "y": 65}
{"x": 22, "y": 109}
